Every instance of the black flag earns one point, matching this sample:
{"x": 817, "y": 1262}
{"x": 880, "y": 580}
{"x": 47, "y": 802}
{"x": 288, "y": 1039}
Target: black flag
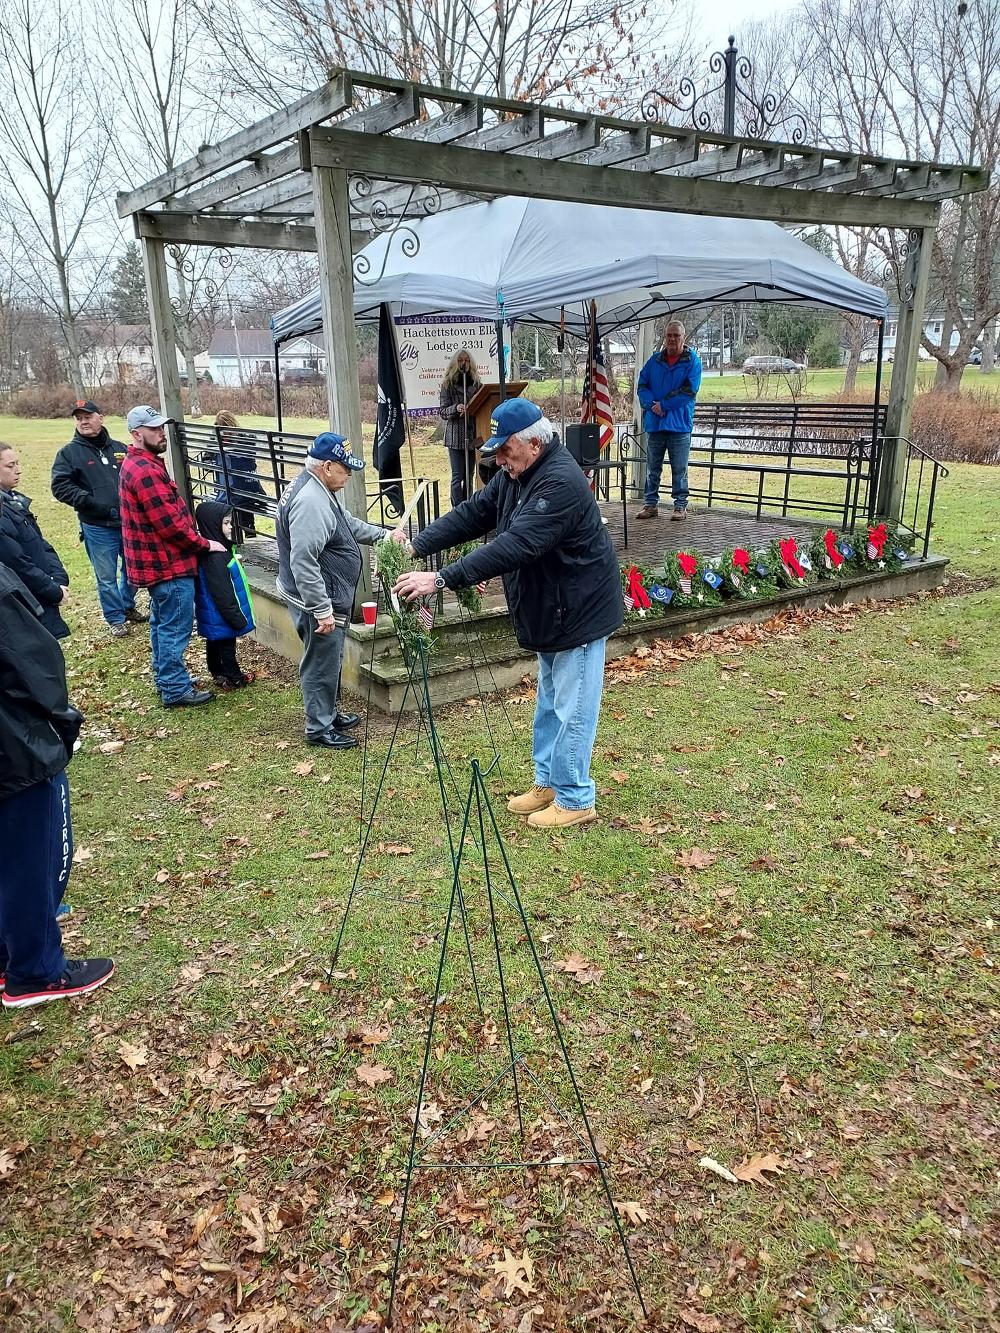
{"x": 390, "y": 426}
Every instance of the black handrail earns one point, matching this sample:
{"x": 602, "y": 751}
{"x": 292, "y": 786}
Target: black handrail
{"x": 919, "y": 529}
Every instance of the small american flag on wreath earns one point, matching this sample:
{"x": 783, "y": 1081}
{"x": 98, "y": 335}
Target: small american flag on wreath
{"x": 425, "y": 615}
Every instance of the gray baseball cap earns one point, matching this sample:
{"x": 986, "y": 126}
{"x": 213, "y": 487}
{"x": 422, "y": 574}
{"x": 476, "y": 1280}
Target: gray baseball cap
{"x": 145, "y": 416}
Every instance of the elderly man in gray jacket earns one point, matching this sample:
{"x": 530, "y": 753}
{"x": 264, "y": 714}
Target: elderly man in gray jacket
{"x": 319, "y": 564}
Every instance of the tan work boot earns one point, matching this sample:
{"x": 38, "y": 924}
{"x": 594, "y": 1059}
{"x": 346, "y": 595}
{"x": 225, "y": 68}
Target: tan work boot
{"x": 678, "y": 515}
{"x": 648, "y": 511}
{"x": 554, "y": 816}
{"x": 530, "y": 801}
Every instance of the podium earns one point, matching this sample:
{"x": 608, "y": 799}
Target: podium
{"x": 484, "y": 400}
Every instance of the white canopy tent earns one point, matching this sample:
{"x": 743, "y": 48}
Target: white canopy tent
{"x": 543, "y": 257}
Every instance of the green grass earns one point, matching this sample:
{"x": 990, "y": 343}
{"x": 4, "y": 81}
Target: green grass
{"x": 851, "y": 976}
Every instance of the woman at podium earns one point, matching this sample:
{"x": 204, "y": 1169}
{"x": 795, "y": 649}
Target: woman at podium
{"x": 461, "y": 381}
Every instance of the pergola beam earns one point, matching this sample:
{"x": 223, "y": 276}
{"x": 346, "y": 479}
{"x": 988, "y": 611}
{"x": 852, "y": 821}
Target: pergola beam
{"x": 333, "y": 97}
{"x": 461, "y": 168}
{"x": 201, "y": 229}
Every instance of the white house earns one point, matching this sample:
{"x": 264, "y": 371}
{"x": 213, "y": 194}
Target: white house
{"x": 245, "y": 356}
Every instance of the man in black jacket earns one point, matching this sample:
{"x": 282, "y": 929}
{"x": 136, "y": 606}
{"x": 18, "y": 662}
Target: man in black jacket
{"x": 85, "y": 477}
{"x": 38, "y": 729}
{"x": 563, "y": 587}
{"x": 24, "y": 550}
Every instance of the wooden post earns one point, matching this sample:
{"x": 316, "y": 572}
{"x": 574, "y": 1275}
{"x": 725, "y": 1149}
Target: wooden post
{"x": 909, "y": 326}
{"x": 161, "y": 324}
{"x": 336, "y": 283}
{"x": 645, "y": 346}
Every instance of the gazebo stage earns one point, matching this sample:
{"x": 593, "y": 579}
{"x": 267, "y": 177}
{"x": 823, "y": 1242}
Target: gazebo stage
{"x": 474, "y": 653}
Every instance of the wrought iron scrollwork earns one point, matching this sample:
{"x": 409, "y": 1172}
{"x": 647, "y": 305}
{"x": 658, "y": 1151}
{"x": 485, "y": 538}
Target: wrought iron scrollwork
{"x": 393, "y": 223}
{"x": 902, "y": 269}
{"x": 195, "y": 271}
{"x": 761, "y": 117}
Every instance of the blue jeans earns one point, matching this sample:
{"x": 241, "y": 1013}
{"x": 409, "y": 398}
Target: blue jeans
{"x": 104, "y": 551}
{"x": 567, "y": 707}
{"x": 677, "y": 445}
{"x": 36, "y": 835}
{"x": 171, "y": 621}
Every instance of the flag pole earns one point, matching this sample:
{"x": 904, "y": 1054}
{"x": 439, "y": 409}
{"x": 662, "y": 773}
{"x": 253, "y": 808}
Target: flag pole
{"x": 402, "y": 392}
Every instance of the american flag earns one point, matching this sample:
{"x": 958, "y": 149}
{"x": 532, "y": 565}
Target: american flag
{"x": 425, "y": 614}
{"x": 629, "y": 604}
{"x": 596, "y": 405}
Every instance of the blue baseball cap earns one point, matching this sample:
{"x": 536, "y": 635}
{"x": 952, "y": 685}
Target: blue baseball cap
{"x": 330, "y": 448}
{"x": 510, "y": 417}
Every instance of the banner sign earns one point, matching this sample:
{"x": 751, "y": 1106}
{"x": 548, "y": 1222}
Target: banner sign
{"x": 426, "y": 345}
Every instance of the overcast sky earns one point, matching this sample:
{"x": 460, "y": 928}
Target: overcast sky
{"x": 714, "y": 20}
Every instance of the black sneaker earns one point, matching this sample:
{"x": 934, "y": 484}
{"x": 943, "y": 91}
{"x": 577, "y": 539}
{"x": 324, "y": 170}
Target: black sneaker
{"x": 345, "y": 721}
{"x": 190, "y": 700}
{"x": 335, "y": 740}
{"x": 136, "y": 617}
{"x": 80, "y": 977}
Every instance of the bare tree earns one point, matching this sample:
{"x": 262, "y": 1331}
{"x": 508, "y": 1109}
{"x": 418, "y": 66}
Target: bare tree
{"x": 918, "y": 79}
{"x": 51, "y": 160}
{"x": 163, "y": 114}
{"x": 603, "y": 50}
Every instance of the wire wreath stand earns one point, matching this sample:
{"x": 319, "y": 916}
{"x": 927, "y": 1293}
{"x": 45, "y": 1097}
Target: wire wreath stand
{"x": 484, "y": 903}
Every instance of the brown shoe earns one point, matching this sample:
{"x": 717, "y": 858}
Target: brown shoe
{"x": 648, "y": 511}
{"x": 554, "y": 816}
{"x": 678, "y": 515}
{"x": 538, "y": 798}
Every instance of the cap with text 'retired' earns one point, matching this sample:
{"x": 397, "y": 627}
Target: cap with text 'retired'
{"x": 330, "y": 448}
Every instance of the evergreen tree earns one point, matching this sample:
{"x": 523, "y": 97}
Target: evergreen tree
{"x": 127, "y": 293}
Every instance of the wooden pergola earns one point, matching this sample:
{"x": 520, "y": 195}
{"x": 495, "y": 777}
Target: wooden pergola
{"x": 366, "y": 154}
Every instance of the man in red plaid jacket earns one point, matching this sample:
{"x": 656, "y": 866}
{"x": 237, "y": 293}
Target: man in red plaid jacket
{"x": 161, "y": 548}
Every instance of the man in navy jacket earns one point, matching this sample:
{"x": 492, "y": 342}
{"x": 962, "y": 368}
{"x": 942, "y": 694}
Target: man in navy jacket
{"x": 668, "y": 385}
{"x": 563, "y": 587}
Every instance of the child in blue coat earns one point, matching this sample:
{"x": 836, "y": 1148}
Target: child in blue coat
{"x": 222, "y": 606}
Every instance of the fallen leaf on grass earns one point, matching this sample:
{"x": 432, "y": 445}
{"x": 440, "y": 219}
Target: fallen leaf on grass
{"x": 695, "y": 859}
{"x": 253, "y": 1224}
{"x": 206, "y": 1218}
{"x": 111, "y": 747}
{"x": 191, "y": 972}
{"x": 386, "y": 1199}
{"x": 394, "y": 849}
{"x": 316, "y": 856}
{"x": 753, "y": 1168}
{"x": 576, "y": 966}
{"x": 762, "y": 863}
{"x": 218, "y": 766}
{"x": 632, "y": 1212}
{"x": 699, "y": 1100}
{"x": 618, "y": 775}
{"x": 81, "y": 855}
{"x": 704, "y": 1323}
{"x": 162, "y": 876}
{"x": 304, "y": 769}
{"x": 372, "y": 1075}
{"x": 864, "y": 1251}
{"x": 517, "y": 1274}
{"x": 133, "y": 1055}
{"x": 710, "y": 1164}
{"x": 430, "y": 1114}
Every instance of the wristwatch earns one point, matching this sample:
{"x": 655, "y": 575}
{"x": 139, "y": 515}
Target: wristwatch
{"x": 439, "y": 582}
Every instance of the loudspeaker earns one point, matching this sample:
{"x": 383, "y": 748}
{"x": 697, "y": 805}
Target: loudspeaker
{"x": 584, "y": 443}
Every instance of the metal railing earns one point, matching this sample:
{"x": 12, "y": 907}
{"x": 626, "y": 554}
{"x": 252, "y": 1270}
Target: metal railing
{"x": 249, "y": 469}
{"x": 816, "y": 459}
{"x": 920, "y": 481}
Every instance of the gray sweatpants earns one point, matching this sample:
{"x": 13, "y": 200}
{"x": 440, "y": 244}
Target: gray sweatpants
{"x": 319, "y": 672}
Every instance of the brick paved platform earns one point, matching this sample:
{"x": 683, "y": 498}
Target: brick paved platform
{"x": 707, "y": 531}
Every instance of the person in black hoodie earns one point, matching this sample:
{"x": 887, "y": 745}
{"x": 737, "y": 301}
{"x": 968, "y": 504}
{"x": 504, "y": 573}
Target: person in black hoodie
{"x": 24, "y": 550}
{"x": 85, "y": 477}
{"x": 38, "y": 729}
{"x": 222, "y": 606}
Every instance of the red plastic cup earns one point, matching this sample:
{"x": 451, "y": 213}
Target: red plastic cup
{"x": 369, "y": 611}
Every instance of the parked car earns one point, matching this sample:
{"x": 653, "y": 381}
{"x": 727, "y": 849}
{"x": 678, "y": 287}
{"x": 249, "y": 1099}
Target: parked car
{"x": 204, "y": 377}
{"x": 301, "y": 375}
{"x": 975, "y": 357}
{"x": 771, "y": 365}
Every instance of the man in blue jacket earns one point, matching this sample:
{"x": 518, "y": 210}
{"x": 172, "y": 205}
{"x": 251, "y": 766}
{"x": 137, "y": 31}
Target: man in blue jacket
{"x": 668, "y": 385}
{"x": 564, "y": 594}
